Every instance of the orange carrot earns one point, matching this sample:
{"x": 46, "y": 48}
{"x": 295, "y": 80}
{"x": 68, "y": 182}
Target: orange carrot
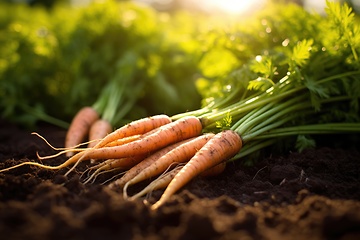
{"x": 114, "y": 164}
{"x": 132, "y": 172}
{"x": 124, "y": 163}
{"x": 180, "y": 154}
{"x": 122, "y": 141}
{"x": 173, "y": 132}
{"x": 214, "y": 171}
{"x": 140, "y": 126}
{"x": 151, "y": 125}
{"x": 181, "y": 129}
{"x": 221, "y": 147}
{"x": 79, "y": 127}
{"x": 159, "y": 183}
{"x": 164, "y": 179}
{"x": 98, "y": 130}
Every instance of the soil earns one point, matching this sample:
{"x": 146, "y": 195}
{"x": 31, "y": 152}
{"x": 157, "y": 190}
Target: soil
{"x": 310, "y": 195}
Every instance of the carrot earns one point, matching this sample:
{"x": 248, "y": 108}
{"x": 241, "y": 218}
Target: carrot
{"x": 214, "y": 171}
{"x": 221, "y": 147}
{"x": 179, "y": 154}
{"x": 98, "y": 130}
{"x": 181, "y": 129}
{"x": 114, "y": 164}
{"x": 124, "y": 163}
{"x": 164, "y": 179}
{"x": 131, "y": 131}
{"x": 122, "y": 141}
{"x": 132, "y": 172}
{"x": 173, "y": 132}
{"x": 112, "y": 141}
{"x": 79, "y": 127}
{"x": 159, "y": 183}
{"x": 140, "y": 126}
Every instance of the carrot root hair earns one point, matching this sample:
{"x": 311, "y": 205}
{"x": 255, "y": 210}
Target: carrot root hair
{"x": 62, "y": 150}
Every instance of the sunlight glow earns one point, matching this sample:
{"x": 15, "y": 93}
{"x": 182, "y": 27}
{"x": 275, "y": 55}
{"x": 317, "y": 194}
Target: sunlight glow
{"x": 232, "y": 6}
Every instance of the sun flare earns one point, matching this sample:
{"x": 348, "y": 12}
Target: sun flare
{"x": 232, "y": 6}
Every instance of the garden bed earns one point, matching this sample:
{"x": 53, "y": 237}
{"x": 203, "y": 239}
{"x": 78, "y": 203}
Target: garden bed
{"x": 310, "y": 195}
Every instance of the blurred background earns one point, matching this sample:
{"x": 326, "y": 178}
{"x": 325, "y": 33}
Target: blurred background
{"x": 130, "y": 59}
{"x": 228, "y": 6}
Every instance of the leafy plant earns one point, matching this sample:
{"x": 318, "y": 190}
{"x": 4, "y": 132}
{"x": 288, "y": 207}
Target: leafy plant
{"x": 53, "y": 62}
{"x": 295, "y": 82}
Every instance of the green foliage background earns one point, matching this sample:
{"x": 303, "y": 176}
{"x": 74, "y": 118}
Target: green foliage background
{"x": 54, "y": 61}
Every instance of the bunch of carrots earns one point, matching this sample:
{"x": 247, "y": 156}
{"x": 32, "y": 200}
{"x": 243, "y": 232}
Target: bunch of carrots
{"x": 312, "y": 89}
